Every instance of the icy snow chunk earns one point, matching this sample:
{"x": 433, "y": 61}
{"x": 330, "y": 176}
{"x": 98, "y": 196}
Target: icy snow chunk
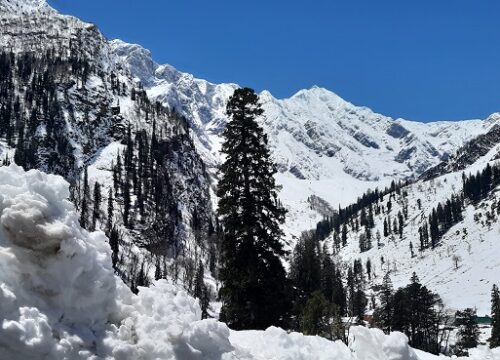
{"x": 276, "y": 343}
{"x": 31, "y": 331}
{"x": 374, "y": 344}
{"x": 209, "y": 337}
{"x": 57, "y": 286}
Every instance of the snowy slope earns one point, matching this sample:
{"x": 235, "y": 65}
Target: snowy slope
{"x": 94, "y": 132}
{"x": 61, "y": 300}
{"x": 473, "y": 242}
{"x": 323, "y": 145}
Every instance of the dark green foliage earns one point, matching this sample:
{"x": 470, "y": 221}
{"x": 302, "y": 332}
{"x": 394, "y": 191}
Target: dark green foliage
{"x": 97, "y": 204}
{"x": 158, "y": 270}
{"x": 199, "y": 281}
{"x": 305, "y": 268}
{"x": 495, "y": 316}
{"x": 31, "y": 116}
{"x": 468, "y": 332}
{"x": 316, "y": 316}
{"x": 114, "y": 243}
{"x": 85, "y": 199}
{"x": 441, "y": 219}
{"x": 200, "y": 290}
{"x": 416, "y": 312}
{"x": 312, "y": 270}
{"x": 383, "y": 315}
{"x": 254, "y": 286}
{"x": 343, "y": 215}
{"x": 111, "y": 211}
{"x": 357, "y": 299}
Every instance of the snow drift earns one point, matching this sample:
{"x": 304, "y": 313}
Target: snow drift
{"x": 59, "y": 297}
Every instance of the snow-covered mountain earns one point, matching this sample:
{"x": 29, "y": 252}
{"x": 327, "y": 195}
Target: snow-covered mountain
{"x": 324, "y": 146}
{"x": 465, "y": 262}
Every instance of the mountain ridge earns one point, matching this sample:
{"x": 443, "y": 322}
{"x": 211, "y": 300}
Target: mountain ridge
{"x": 322, "y": 144}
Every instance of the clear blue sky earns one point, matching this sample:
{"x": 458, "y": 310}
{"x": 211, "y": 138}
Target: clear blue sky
{"x": 421, "y": 60}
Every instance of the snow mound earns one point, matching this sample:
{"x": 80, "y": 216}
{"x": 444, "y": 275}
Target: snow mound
{"x": 59, "y": 298}
{"x": 374, "y": 344}
{"x": 276, "y": 343}
{"x": 162, "y": 322}
{"x": 56, "y": 279}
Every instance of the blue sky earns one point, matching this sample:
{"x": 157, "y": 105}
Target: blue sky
{"x": 421, "y": 60}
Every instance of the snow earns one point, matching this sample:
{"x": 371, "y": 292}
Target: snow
{"x": 478, "y": 250}
{"x": 26, "y": 6}
{"x": 60, "y": 299}
{"x": 56, "y": 279}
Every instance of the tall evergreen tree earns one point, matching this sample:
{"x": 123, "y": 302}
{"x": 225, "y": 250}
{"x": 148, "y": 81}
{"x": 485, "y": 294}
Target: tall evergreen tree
{"x": 468, "y": 332}
{"x": 495, "y": 315}
{"x": 416, "y": 313}
{"x": 97, "y": 204}
{"x": 344, "y": 235}
{"x": 317, "y": 315}
{"x": 199, "y": 281}
{"x": 85, "y": 199}
{"x": 254, "y": 285}
{"x": 114, "y": 243}
{"x": 111, "y": 209}
{"x": 384, "y": 313}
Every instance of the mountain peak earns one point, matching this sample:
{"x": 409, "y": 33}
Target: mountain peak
{"x": 16, "y": 7}
{"x": 317, "y": 93}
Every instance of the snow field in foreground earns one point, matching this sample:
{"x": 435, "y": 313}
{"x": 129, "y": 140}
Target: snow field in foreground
{"x": 60, "y": 299}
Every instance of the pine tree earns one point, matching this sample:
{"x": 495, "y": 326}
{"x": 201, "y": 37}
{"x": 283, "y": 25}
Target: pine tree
{"x": 316, "y": 316}
{"x": 85, "y": 199}
{"x": 205, "y": 302}
{"x": 20, "y": 153}
{"x": 369, "y": 269}
{"x": 495, "y": 315}
{"x": 384, "y": 313}
{"x": 415, "y": 313}
{"x": 344, "y": 235}
{"x": 199, "y": 281}
{"x": 158, "y": 272}
{"x": 327, "y": 276}
{"x": 468, "y": 333}
{"x": 401, "y": 224}
{"x": 126, "y": 201}
{"x": 114, "y": 243}
{"x": 97, "y": 204}
{"x": 111, "y": 210}
{"x": 254, "y": 285}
